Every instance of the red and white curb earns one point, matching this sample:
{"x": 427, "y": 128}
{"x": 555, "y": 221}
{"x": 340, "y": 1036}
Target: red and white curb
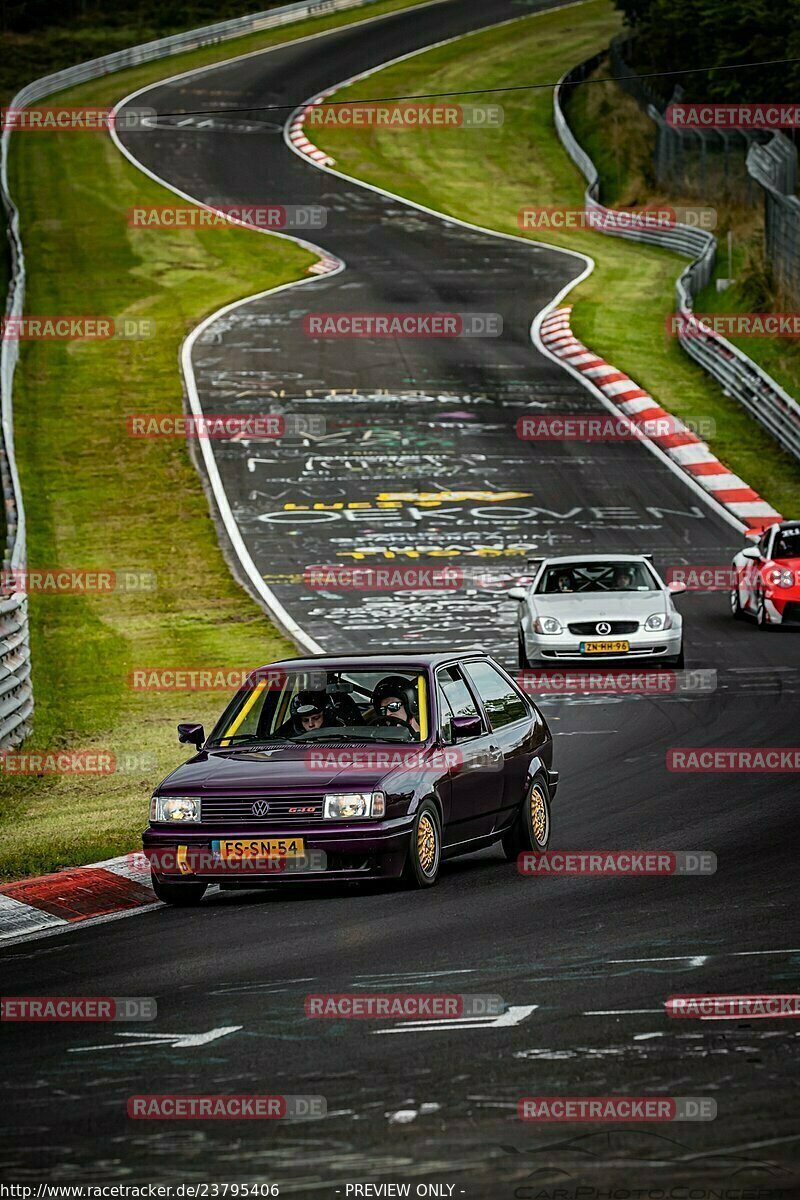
{"x": 76, "y": 894}
{"x": 685, "y": 448}
{"x": 297, "y": 134}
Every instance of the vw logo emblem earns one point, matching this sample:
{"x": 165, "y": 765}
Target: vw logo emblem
{"x": 260, "y": 808}
{"x": 603, "y": 627}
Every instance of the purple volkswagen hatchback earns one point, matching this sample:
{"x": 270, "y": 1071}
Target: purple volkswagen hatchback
{"x": 357, "y": 767}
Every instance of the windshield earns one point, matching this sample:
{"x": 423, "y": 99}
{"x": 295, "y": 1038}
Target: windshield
{"x": 285, "y": 705}
{"x": 787, "y": 544}
{"x": 566, "y": 578}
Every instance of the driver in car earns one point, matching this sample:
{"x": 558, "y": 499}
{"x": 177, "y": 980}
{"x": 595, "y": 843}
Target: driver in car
{"x": 308, "y": 710}
{"x": 395, "y": 703}
{"x": 623, "y": 578}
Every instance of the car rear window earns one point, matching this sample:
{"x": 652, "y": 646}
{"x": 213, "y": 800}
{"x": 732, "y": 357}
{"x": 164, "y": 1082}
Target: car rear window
{"x": 457, "y": 699}
{"x": 502, "y": 702}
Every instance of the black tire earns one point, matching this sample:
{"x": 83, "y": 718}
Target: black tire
{"x": 424, "y": 856}
{"x": 761, "y": 612}
{"x": 182, "y": 894}
{"x": 737, "y": 612}
{"x": 531, "y": 829}
{"x": 524, "y": 662}
{"x": 676, "y": 661}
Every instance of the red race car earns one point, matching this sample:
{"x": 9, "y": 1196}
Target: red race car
{"x": 766, "y": 577}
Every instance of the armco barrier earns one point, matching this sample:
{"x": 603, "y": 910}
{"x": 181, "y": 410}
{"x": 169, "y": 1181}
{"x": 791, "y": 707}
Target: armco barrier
{"x": 739, "y": 376}
{"x": 16, "y": 693}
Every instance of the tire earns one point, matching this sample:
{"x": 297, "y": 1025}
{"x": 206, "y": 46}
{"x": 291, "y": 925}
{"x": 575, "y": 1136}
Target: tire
{"x": 425, "y": 849}
{"x": 761, "y": 612}
{"x": 531, "y": 829}
{"x": 677, "y": 660}
{"x": 737, "y": 612}
{"x": 181, "y": 894}
{"x": 524, "y": 662}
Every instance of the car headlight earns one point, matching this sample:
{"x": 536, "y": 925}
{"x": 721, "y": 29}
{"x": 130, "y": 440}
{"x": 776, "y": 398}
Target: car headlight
{"x": 547, "y": 625}
{"x": 353, "y": 806}
{"x": 779, "y": 577}
{"x": 174, "y": 808}
{"x": 658, "y": 621}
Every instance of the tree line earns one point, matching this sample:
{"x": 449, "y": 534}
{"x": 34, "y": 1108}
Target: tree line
{"x": 704, "y": 35}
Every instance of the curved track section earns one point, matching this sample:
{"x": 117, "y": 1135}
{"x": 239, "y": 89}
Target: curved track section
{"x": 420, "y": 458}
{"x": 418, "y": 463}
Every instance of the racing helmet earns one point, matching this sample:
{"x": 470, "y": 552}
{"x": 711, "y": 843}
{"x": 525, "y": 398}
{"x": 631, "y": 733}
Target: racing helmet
{"x": 403, "y": 689}
{"x": 307, "y": 704}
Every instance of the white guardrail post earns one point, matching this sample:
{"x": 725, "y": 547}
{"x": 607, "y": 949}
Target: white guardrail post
{"x": 740, "y": 377}
{"x": 16, "y": 693}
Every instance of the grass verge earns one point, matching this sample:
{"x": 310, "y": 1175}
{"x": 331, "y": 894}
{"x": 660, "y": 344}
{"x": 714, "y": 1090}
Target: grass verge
{"x": 620, "y": 139}
{"x": 487, "y": 176}
{"x": 98, "y": 499}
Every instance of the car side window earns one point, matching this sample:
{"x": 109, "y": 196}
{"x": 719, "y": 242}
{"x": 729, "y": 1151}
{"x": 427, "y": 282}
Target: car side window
{"x": 763, "y": 545}
{"x": 502, "y": 702}
{"x": 455, "y": 699}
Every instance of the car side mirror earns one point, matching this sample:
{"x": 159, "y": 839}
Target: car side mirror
{"x": 191, "y": 733}
{"x": 517, "y": 593}
{"x": 466, "y": 727}
{"x": 677, "y": 587}
{"x": 751, "y": 552}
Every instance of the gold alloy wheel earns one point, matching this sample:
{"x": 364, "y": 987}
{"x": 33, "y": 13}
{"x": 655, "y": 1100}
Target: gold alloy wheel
{"x": 426, "y": 843}
{"x": 538, "y": 814}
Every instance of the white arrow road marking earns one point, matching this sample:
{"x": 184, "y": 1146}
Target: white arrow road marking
{"x": 179, "y": 1041}
{"x": 512, "y": 1016}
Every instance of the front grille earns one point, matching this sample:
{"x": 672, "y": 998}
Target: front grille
{"x": 239, "y": 809}
{"x": 589, "y": 628}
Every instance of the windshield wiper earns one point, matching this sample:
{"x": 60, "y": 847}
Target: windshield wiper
{"x": 251, "y": 739}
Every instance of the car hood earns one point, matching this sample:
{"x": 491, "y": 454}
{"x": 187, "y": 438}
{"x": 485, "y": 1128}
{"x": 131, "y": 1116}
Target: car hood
{"x": 599, "y": 606}
{"x": 279, "y": 769}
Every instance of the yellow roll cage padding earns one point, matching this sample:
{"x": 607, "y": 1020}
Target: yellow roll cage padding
{"x": 237, "y": 721}
{"x": 422, "y": 705}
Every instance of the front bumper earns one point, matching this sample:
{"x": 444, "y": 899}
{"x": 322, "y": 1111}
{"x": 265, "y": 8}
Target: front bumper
{"x": 372, "y": 850}
{"x": 567, "y": 647}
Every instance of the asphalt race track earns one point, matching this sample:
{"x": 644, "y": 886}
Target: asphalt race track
{"x": 583, "y": 964}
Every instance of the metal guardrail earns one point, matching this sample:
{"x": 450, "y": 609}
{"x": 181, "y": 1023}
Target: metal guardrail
{"x": 739, "y": 376}
{"x": 16, "y": 692}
